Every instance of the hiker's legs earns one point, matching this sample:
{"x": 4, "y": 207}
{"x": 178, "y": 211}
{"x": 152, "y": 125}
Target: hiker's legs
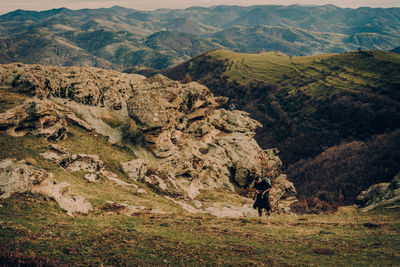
{"x": 267, "y": 212}
{"x": 259, "y": 212}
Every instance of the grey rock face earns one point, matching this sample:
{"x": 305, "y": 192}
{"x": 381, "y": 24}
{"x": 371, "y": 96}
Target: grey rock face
{"x": 18, "y": 177}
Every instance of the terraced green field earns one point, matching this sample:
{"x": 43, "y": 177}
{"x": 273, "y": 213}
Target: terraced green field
{"x": 319, "y": 75}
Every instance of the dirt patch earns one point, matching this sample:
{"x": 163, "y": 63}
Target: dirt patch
{"x": 371, "y": 225}
{"x": 323, "y": 251}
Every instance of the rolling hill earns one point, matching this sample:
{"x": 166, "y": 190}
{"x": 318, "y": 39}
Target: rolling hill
{"x": 117, "y": 37}
{"x": 335, "y": 117}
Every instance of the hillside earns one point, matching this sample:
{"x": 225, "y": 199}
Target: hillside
{"x": 334, "y": 116}
{"x": 118, "y": 38}
{"x": 396, "y": 50}
{"x": 90, "y": 175}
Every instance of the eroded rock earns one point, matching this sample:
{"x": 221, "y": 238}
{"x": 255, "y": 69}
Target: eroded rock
{"x": 36, "y": 117}
{"x": 189, "y": 142}
{"x": 19, "y": 177}
{"x": 135, "y": 169}
{"x": 79, "y": 122}
{"x": 91, "y": 86}
{"x": 195, "y": 144}
{"x": 60, "y": 192}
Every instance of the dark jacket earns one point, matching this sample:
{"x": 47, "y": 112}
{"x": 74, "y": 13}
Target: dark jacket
{"x": 262, "y": 201}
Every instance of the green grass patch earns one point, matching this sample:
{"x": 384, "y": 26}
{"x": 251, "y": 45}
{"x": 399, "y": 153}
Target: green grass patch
{"x": 112, "y": 121}
{"x": 9, "y": 99}
{"x": 314, "y": 75}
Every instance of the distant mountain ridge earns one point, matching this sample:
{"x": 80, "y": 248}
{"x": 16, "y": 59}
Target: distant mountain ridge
{"x": 119, "y": 37}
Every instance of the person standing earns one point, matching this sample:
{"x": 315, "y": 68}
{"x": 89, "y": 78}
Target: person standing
{"x": 262, "y": 186}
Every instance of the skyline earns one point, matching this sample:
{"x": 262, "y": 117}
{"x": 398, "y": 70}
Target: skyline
{"x": 39, "y": 5}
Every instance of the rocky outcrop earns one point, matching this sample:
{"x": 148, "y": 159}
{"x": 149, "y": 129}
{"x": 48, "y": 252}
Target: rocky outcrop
{"x": 91, "y": 86}
{"x": 194, "y": 144}
{"x": 182, "y": 141}
{"x": 283, "y": 194}
{"x": 135, "y": 169}
{"x": 19, "y": 177}
{"x": 382, "y": 194}
{"x": 36, "y": 117}
{"x": 91, "y": 164}
{"x": 60, "y": 192}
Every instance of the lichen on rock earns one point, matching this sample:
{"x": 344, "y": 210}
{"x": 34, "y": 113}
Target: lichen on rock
{"x": 18, "y": 177}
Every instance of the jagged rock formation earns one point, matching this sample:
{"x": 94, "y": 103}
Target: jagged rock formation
{"x": 183, "y": 142}
{"x": 382, "y": 194}
{"x": 19, "y": 177}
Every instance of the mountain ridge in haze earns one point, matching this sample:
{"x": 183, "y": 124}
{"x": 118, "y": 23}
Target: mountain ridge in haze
{"x": 118, "y": 37}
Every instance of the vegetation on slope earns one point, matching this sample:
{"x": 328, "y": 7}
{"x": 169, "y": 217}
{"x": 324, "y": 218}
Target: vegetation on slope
{"x": 315, "y": 106}
{"x": 35, "y": 232}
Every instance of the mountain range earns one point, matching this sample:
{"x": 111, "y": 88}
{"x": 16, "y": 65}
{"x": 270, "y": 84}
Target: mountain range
{"x": 117, "y": 37}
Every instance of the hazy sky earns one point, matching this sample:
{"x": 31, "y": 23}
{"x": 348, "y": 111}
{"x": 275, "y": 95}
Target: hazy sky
{"x": 10, "y": 5}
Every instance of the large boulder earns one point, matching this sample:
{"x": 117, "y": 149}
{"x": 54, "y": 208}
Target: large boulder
{"x": 19, "y": 176}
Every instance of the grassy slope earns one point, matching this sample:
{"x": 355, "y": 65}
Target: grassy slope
{"x": 314, "y": 75}
{"x": 34, "y": 230}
